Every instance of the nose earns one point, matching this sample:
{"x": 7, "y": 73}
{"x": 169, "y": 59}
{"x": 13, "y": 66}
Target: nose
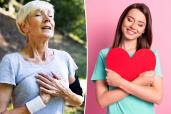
{"x": 134, "y": 26}
{"x": 46, "y": 18}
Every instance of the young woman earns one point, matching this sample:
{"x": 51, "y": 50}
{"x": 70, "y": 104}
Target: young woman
{"x": 133, "y": 32}
{"x": 37, "y": 78}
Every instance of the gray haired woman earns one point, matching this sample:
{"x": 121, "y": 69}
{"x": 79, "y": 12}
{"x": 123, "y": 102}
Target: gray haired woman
{"x": 37, "y": 77}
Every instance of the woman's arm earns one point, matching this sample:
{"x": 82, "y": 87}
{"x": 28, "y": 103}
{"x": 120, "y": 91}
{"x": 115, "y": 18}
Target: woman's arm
{"x": 72, "y": 98}
{"x": 106, "y": 97}
{"x": 151, "y": 93}
{"x": 69, "y": 96}
{"x": 5, "y": 95}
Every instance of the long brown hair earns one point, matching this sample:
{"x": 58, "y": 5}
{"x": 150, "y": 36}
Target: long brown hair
{"x": 145, "y": 40}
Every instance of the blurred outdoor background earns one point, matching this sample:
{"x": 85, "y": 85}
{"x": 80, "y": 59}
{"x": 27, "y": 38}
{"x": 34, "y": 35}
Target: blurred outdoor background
{"x": 70, "y": 34}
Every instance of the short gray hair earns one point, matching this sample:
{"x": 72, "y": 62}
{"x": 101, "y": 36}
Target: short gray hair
{"x": 28, "y": 8}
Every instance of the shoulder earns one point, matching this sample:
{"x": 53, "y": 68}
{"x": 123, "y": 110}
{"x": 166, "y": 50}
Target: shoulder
{"x": 62, "y": 53}
{"x": 154, "y": 51}
{"x": 104, "y": 52}
{"x": 10, "y": 57}
{"x": 10, "y": 61}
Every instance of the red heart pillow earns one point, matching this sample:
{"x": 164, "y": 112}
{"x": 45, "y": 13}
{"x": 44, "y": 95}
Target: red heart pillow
{"x": 128, "y": 67}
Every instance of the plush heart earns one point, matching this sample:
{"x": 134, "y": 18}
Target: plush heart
{"x": 128, "y": 67}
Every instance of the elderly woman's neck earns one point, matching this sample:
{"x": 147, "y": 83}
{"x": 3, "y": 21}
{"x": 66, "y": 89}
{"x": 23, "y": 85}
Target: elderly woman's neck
{"x": 37, "y": 50}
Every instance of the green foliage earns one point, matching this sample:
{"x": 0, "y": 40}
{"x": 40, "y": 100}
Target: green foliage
{"x": 3, "y": 3}
{"x": 69, "y": 16}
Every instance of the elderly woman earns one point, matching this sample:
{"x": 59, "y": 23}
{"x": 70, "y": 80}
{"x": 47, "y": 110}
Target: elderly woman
{"x": 37, "y": 77}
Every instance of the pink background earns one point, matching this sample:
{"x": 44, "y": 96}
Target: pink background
{"x": 102, "y": 17}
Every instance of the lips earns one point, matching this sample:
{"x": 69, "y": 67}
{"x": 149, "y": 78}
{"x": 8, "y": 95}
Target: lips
{"x": 130, "y": 31}
{"x": 47, "y": 27}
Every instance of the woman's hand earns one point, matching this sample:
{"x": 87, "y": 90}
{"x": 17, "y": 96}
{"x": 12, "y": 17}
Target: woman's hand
{"x": 53, "y": 85}
{"x": 145, "y": 78}
{"x": 113, "y": 78}
{"x": 57, "y": 87}
{"x": 5, "y": 95}
{"x": 45, "y": 97}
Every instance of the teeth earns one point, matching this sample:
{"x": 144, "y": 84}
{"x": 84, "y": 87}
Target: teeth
{"x": 130, "y": 32}
{"x": 46, "y": 27}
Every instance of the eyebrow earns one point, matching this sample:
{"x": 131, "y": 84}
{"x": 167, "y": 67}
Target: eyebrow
{"x": 134, "y": 19}
{"x": 36, "y": 11}
{"x": 40, "y": 11}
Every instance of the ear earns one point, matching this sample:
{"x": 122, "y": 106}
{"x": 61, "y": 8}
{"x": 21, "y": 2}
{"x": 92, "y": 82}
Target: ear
{"x": 24, "y": 27}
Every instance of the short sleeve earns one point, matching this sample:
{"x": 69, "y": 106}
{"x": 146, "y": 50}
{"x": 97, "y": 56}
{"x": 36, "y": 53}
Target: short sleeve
{"x": 99, "y": 70}
{"x": 157, "y": 68}
{"x": 7, "y": 74}
{"x": 72, "y": 67}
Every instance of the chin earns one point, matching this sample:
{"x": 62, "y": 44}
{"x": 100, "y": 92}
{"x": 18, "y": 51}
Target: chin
{"x": 48, "y": 35}
{"x": 128, "y": 37}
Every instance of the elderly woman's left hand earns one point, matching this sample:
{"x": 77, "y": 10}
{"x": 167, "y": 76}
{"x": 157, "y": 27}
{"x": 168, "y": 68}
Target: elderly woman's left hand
{"x": 113, "y": 78}
{"x": 53, "y": 85}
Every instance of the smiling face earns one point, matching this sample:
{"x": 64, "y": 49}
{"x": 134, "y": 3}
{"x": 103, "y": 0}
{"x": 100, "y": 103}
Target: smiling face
{"x": 40, "y": 24}
{"x": 134, "y": 24}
